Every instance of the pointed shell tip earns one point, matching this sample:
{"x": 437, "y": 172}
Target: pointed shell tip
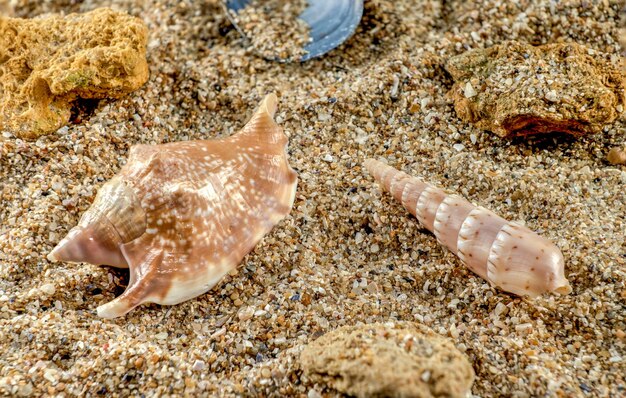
{"x": 53, "y": 255}
{"x": 269, "y": 104}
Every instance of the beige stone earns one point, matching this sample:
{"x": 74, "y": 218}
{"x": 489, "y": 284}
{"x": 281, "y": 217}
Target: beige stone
{"x": 383, "y": 360}
{"x": 617, "y": 155}
{"x": 526, "y": 90}
{"x": 48, "y": 63}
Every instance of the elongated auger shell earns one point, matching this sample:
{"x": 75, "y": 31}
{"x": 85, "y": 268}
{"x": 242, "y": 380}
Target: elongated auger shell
{"x": 505, "y": 253}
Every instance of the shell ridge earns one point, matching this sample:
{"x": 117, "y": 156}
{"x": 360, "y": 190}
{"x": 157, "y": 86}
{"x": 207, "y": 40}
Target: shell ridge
{"x": 495, "y": 260}
{"x": 398, "y": 184}
{"x": 439, "y": 227}
{"x": 476, "y": 237}
{"x": 409, "y": 197}
{"x": 449, "y": 219}
{"x": 428, "y": 205}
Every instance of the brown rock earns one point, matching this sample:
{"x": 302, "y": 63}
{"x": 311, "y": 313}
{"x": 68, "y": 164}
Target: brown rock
{"x": 617, "y": 155}
{"x": 48, "y": 63}
{"x": 517, "y": 89}
{"x": 381, "y": 360}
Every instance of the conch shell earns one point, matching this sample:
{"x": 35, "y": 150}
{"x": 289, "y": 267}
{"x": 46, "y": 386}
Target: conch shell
{"x": 181, "y": 215}
{"x": 505, "y": 253}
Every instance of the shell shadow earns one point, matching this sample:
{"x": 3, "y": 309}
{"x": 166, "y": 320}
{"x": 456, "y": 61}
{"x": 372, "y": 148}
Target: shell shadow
{"x": 83, "y": 109}
{"x": 544, "y": 142}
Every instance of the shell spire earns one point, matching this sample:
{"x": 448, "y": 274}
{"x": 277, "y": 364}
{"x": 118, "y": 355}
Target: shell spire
{"x": 506, "y": 254}
{"x": 115, "y": 218}
{"x": 181, "y": 215}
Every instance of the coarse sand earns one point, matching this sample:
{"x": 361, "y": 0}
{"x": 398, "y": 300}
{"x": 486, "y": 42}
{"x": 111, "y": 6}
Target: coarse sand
{"x": 273, "y": 28}
{"x": 347, "y": 253}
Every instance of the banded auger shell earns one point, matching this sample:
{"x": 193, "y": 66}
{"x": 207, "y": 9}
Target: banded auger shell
{"x": 505, "y": 253}
{"x": 181, "y": 215}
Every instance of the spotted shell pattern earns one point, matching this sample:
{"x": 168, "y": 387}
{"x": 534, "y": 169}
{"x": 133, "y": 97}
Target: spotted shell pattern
{"x": 505, "y": 253}
{"x": 181, "y": 215}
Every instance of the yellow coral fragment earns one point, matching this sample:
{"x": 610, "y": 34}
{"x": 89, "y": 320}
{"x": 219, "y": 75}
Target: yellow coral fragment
{"x": 48, "y": 63}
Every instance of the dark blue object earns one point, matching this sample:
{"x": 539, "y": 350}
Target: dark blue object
{"x": 236, "y": 5}
{"x": 331, "y": 21}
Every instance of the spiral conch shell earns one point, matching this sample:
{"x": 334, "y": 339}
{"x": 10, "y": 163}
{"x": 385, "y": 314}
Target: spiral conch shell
{"x": 181, "y": 215}
{"x": 505, "y": 253}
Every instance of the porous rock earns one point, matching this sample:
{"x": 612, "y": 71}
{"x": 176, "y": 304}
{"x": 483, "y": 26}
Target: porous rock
{"x": 525, "y": 90}
{"x": 388, "y": 360}
{"x": 48, "y": 63}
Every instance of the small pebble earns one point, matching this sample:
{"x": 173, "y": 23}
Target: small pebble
{"x": 52, "y": 375}
{"x": 198, "y": 365}
{"x": 617, "y": 156}
{"x": 246, "y": 313}
{"x": 501, "y": 309}
{"x": 552, "y": 96}
{"x": 458, "y": 147}
{"x": 313, "y": 394}
{"x": 469, "y": 91}
{"x": 25, "y": 390}
{"x": 48, "y": 289}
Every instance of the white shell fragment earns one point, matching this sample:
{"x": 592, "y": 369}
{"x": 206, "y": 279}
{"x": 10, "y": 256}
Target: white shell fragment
{"x": 505, "y": 253}
{"x": 181, "y": 215}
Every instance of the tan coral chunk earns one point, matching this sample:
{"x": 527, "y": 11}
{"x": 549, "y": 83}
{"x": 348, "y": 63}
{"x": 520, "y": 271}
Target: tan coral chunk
{"x": 515, "y": 89}
{"x": 388, "y": 360}
{"x": 48, "y": 63}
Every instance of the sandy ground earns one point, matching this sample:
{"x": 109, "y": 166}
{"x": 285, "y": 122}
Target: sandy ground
{"x": 347, "y": 253}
